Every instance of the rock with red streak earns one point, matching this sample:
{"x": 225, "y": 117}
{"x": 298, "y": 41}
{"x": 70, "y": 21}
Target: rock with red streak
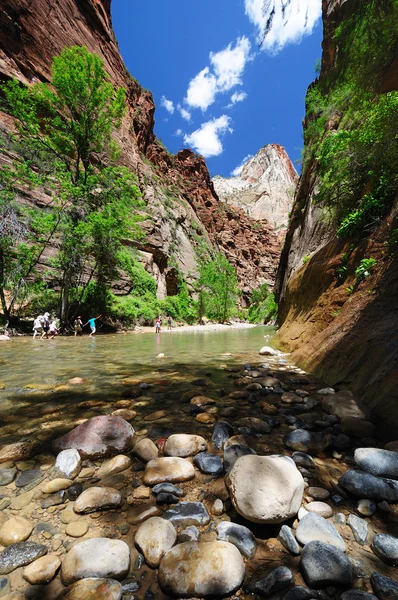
{"x": 98, "y": 437}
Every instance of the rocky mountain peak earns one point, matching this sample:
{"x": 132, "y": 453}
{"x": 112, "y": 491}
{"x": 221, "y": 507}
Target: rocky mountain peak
{"x": 265, "y": 187}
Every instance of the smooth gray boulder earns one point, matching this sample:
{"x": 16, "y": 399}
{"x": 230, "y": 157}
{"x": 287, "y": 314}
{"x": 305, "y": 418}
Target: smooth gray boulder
{"x": 384, "y": 587}
{"x": 287, "y": 539}
{"x": 324, "y": 565}
{"x": 386, "y": 548}
{"x": 365, "y": 485}
{"x": 312, "y": 527}
{"x": 382, "y": 463}
{"x": 96, "y": 557}
{"x": 238, "y": 535}
{"x": 267, "y": 582}
{"x": 187, "y": 513}
{"x": 307, "y": 441}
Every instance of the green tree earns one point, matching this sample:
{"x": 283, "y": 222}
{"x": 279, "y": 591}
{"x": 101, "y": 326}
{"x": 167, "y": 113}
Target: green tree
{"x": 263, "y": 307}
{"x": 218, "y": 288}
{"x": 67, "y": 128}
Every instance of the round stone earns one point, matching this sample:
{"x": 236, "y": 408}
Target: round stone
{"x": 205, "y": 418}
{"x": 114, "y": 465}
{"x": 125, "y": 413}
{"x": 366, "y": 485}
{"x": 386, "y": 548}
{"x": 97, "y": 557}
{"x": 68, "y": 463}
{"x": 77, "y": 529}
{"x": 210, "y": 464}
{"x": 312, "y": 527}
{"x": 42, "y": 570}
{"x": 154, "y": 538}
{"x": 56, "y": 485}
{"x": 16, "y": 529}
{"x": 97, "y": 498}
{"x": 94, "y": 589}
{"x": 146, "y": 450}
{"x": 168, "y": 469}
{"x": 238, "y": 535}
{"x": 366, "y": 508}
{"x": 324, "y": 565}
{"x": 201, "y": 569}
{"x": 317, "y": 493}
{"x": 265, "y": 489}
{"x": 183, "y": 445}
{"x": 320, "y": 508}
{"x": 382, "y": 463}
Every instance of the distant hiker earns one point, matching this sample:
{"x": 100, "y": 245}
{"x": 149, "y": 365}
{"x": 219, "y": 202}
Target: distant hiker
{"x": 168, "y": 323}
{"x": 37, "y": 325}
{"x": 157, "y": 325}
{"x": 46, "y": 325}
{"x": 53, "y": 329}
{"x": 91, "y": 322}
{"x": 78, "y": 326}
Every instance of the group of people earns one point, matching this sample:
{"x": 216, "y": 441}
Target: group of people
{"x": 48, "y": 328}
{"x": 159, "y": 323}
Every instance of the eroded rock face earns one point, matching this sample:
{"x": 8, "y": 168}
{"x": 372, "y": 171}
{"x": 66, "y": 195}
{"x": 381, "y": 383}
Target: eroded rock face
{"x": 98, "y": 437}
{"x": 265, "y": 489}
{"x": 201, "y": 569}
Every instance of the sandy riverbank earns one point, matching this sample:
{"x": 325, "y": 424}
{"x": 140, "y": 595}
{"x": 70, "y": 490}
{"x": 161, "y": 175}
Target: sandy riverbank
{"x": 207, "y": 327}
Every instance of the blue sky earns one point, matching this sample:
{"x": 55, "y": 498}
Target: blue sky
{"x": 215, "y": 90}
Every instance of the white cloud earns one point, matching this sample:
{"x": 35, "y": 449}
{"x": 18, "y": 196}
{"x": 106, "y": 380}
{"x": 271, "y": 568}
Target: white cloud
{"x": 238, "y": 97}
{"x": 179, "y": 133}
{"x": 206, "y": 140}
{"x": 202, "y": 90}
{"x": 227, "y": 67}
{"x": 238, "y": 170}
{"x": 289, "y": 22}
{"x": 184, "y": 112}
{"x": 167, "y": 104}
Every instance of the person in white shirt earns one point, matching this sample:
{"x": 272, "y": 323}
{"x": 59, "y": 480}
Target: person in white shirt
{"x": 53, "y": 329}
{"x": 37, "y": 325}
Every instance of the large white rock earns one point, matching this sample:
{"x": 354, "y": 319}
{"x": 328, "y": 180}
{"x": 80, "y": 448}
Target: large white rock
{"x": 197, "y": 570}
{"x": 184, "y": 444}
{"x": 265, "y": 489}
{"x": 68, "y": 464}
{"x": 168, "y": 469}
{"x": 268, "y": 351}
{"x": 154, "y": 538}
{"x": 97, "y": 557}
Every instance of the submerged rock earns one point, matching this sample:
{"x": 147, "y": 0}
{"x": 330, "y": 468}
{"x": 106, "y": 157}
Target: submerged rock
{"x": 7, "y": 476}
{"x": 359, "y": 528}
{"x": 167, "y": 488}
{"x": 97, "y": 557}
{"x": 114, "y": 465}
{"x": 146, "y": 450}
{"x": 307, "y": 441}
{"x": 265, "y": 489}
{"x": 98, "y": 437}
{"x": 201, "y": 569}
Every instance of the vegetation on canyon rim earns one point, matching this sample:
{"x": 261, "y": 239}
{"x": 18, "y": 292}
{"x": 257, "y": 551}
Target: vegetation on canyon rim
{"x": 91, "y": 203}
{"x": 358, "y": 154}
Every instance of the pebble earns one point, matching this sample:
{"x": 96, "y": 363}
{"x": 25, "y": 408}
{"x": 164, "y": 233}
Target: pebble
{"x": 187, "y": 513}
{"x": 239, "y": 536}
{"x": 210, "y": 464}
{"x": 287, "y": 539}
{"x": 307, "y": 441}
{"x": 20, "y": 555}
{"x": 320, "y": 508}
{"x": 189, "y": 534}
{"x": 339, "y": 518}
{"x": 42, "y": 570}
{"x": 183, "y": 445}
{"x": 366, "y": 508}
{"x": 312, "y": 527}
{"x": 167, "y": 488}
{"x": 7, "y": 476}
{"x": 365, "y": 485}
{"x": 201, "y": 569}
{"x": 265, "y": 489}
{"x": 359, "y": 528}
{"x": 77, "y": 529}
{"x": 53, "y": 500}
{"x": 94, "y": 589}
{"x": 202, "y": 401}
{"x": 304, "y": 460}
{"x": 146, "y": 450}
{"x": 125, "y": 413}
{"x": 325, "y": 565}
{"x": 317, "y": 493}
{"x": 97, "y": 498}
{"x": 97, "y": 557}
{"x": 68, "y": 464}
{"x": 27, "y": 477}
{"x": 382, "y": 463}
{"x": 255, "y": 425}
{"x": 154, "y": 538}
{"x": 114, "y": 465}
{"x": 268, "y": 582}
{"x": 68, "y": 515}
{"x": 300, "y": 593}
{"x": 205, "y": 418}
{"x": 16, "y": 529}
{"x": 386, "y": 547}
{"x": 384, "y": 587}
{"x": 56, "y": 485}
{"x": 168, "y": 469}
{"x": 138, "y": 514}
{"x": 217, "y": 508}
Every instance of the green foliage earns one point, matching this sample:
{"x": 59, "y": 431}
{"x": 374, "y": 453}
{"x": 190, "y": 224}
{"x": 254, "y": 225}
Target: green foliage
{"x": 352, "y": 128}
{"x": 342, "y": 269}
{"x": 263, "y": 307}
{"x": 306, "y": 259}
{"x": 365, "y": 268}
{"x": 217, "y": 289}
{"x": 349, "y": 290}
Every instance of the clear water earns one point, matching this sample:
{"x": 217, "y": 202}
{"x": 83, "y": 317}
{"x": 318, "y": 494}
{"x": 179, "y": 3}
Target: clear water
{"x": 35, "y": 373}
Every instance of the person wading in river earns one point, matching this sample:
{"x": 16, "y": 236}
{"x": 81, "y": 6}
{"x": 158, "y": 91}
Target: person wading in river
{"x": 78, "y": 326}
{"x": 91, "y": 322}
{"x": 46, "y": 325}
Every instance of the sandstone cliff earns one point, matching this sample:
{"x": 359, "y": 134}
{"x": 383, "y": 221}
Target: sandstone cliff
{"x": 183, "y": 208}
{"x": 265, "y": 187}
{"x": 341, "y": 328}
